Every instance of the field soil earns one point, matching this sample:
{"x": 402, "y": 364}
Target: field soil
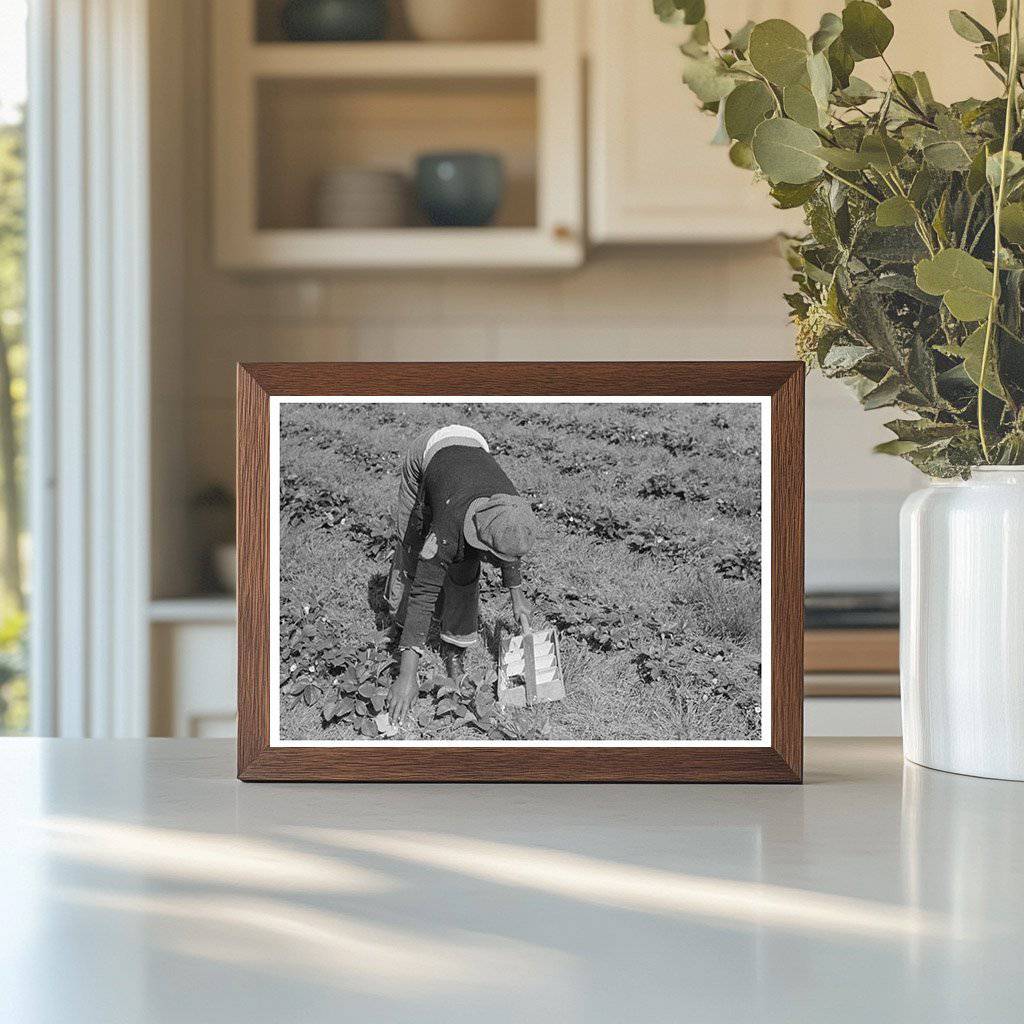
{"x": 648, "y": 564}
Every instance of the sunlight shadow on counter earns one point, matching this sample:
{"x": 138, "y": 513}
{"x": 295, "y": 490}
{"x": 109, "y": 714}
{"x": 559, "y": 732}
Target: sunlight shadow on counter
{"x": 646, "y": 890}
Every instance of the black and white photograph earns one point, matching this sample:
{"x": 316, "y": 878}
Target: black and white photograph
{"x": 519, "y": 570}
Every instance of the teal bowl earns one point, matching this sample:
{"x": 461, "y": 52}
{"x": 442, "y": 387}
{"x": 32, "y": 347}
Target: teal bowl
{"x": 460, "y": 190}
{"x": 334, "y": 21}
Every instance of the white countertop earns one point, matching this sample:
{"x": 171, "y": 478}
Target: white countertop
{"x": 140, "y": 882}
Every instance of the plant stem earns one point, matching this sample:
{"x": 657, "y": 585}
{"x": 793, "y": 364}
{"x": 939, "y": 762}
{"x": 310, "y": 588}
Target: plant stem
{"x": 853, "y": 185}
{"x": 1011, "y": 108}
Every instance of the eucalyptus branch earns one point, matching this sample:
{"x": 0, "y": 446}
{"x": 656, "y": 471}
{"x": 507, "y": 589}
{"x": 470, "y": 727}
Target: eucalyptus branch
{"x": 1011, "y": 110}
{"x": 909, "y": 100}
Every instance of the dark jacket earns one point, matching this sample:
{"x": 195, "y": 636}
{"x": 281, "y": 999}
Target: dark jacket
{"x": 453, "y": 480}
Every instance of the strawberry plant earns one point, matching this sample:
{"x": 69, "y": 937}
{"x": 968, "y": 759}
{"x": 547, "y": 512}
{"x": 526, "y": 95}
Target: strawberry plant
{"x": 661, "y": 485}
{"x": 742, "y": 564}
{"x": 310, "y": 504}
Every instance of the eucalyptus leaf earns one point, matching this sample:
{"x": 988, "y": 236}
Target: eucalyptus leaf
{"x": 788, "y": 196}
{"x": 701, "y": 34}
{"x": 721, "y": 136}
{"x": 841, "y": 62}
{"x": 976, "y": 176}
{"x": 857, "y": 91}
{"x": 963, "y": 281}
{"x": 708, "y": 80}
{"x": 924, "y": 87}
{"x": 922, "y": 185}
{"x": 739, "y": 41}
{"x": 895, "y": 447}
{"x": 947, "y": 156}
{"x": 689, "y": 12}
{"x": 801, "y": 106}
{"x": 819, "y": 75}
{"x": 969, "y": 28}
{"x": 922, "y": 431}
{"x": 844, "y": 159}
{"x": 866, "y": 29}
{"x": 779, "y": 51}
{"x": 829, "y": 30}
{"x": 883, "y": 152}
{"x": 999, "y": 9}
{"x": 741, "y": 155}
{"x": 883, "y": 395}
{"x": 972, "y": 351}
{"x": 993, "y": 167}
{"x": 745, "y": 108}
{"x": 787, "y": 152}
{"x": 894, "y": 212}
{"x": 1012, "y": 223}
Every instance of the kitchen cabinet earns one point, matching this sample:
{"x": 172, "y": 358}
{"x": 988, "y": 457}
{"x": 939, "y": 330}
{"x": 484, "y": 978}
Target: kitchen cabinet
{"x": 654, "y": 177}
{"x": 286, "y": 114}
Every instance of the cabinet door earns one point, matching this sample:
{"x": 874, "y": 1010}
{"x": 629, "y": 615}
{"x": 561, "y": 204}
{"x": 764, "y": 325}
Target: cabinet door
{"x": 654, "y": 176}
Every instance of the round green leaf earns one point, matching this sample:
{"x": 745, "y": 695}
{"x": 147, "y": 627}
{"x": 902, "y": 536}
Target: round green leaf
{"x": 779, "y": 51}
{"x": 741, "y": 155}
{"x": 787, "y": 152}
{"x": 707, "y": 79}
{"x": 883, "y": 152}
{"x": 801, "y": 106}
{"x": 895, "y": 212}
{"x": 866, "y": 29}
{"x": 963, "y": 281}
{"x": 745, "y": 108}
{"x": 829, "y": 30}
{"x": 947, "y": 156}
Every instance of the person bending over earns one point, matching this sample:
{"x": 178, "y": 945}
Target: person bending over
{"x": 456, "y": 509}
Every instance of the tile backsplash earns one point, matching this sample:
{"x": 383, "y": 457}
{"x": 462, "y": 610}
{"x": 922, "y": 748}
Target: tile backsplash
{"x": 709, "y": 303}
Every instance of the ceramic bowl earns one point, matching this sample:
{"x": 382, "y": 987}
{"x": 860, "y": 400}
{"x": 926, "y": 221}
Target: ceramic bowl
{"x": 332, "y": 21}
{"x": 459, "y": 189}
{"x": 470, "y": 20}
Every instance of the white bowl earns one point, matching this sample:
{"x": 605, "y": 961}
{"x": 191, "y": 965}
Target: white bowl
{"x": 362, "y": 198}
{"x": 471, "y": 20}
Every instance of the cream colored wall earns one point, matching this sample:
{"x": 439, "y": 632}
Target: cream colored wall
{"x": 652, "y": 303}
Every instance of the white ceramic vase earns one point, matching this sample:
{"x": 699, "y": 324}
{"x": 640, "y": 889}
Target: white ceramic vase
{"x": 962, "y": 624}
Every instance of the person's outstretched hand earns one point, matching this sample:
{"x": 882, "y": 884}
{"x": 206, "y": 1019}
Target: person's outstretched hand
{"x": 403, "y": 693}
{"x": 404, "y": 688}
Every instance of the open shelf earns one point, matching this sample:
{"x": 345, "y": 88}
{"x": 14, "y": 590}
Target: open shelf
{"x": 308, "y": 127}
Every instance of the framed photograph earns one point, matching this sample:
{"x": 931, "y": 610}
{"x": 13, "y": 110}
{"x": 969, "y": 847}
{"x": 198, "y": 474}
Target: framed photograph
{"x": 578, "y": 572}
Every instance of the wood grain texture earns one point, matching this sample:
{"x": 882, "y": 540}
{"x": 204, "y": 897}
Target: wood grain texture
{"x": 779, "y": 762}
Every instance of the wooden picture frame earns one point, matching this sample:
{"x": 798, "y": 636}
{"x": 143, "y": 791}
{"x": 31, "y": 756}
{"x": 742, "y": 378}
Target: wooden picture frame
{"x": 778, "y": 758}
